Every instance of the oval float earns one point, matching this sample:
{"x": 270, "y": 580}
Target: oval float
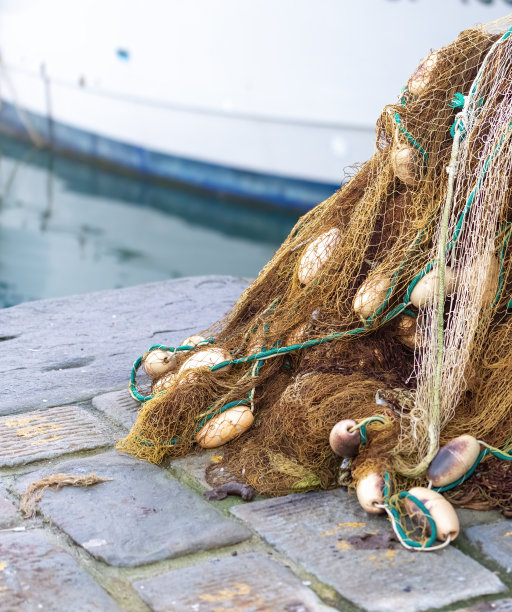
{"x": 406, "y": 331}
{"x": 405, "y": 164}
{"x": 193, "y": 340}
{"x": 422, "y": 77}
{"x": 426, "y": 288}
{"x": 370, "y": 491}
{"x": 206, "y": 358}
{"x": 225, "y": 427}
{"x": 159, "y": 362}
{"x": 441, "y": 511}
{"x": 345, "y": 443}
{"x": 163, "y": 383}
{"x": 453, "y": 460}
{"x": 316, "y": 254}
{"x": 370, "y": 295}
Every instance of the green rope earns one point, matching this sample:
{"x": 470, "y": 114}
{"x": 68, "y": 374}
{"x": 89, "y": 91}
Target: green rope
{"x": 410, "y": 137}
{"x": 362, "y": 425}
{"x": 388, "y": 502}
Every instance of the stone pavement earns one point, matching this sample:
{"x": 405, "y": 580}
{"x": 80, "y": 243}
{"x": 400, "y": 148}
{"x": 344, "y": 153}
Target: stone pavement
{"x": 146, "y": 539}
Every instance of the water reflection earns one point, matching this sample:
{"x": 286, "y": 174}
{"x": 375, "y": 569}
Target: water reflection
{"x": 67, "y": 227}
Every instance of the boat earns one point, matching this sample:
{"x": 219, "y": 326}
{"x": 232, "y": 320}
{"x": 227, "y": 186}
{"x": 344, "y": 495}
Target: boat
{"x": 270, "y": 101}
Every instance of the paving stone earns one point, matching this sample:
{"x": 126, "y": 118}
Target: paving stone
{"x": 500, "y": 605}
{"x": 42, "y": 434}
{"x": 9, "y": 516}
{"x": 35, "y": 575}
{"x": 314, "y": 530}
{"x": 119, "y": 406}
{"x": 250, "y": 582}
{"x": 494, "y": 540}
{"x": 65, "y": 350}
{"x": 142, "y": 515}
{"x": 469, "y": 518}
{"x": 195, "y": 464}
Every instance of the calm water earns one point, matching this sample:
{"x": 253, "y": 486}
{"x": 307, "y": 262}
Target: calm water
{"x": 67, "y": 228}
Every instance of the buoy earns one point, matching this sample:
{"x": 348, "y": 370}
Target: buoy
{"x": 422, "y": 76}
{"x": 225, "y": 427}
{"x": 164, "y": 382}
{"x": 489, "y": 263}
{"x": 453, "y": 460}
{"x": 426, "y": 288}
{"x": 370, "y": 295}
{"x": 193, "y": 340}
{"x": 158, "y": 362}
{"x": 345, "y": 443}
{"x": 297, "y": 335}
{"x": 405, "y": 164}
{"x": 316, "y": 254}
{"x": 440, "y": 509}
{"x": 406, "y": 331}
{"x": 369, "y": 492}
{"x": 206, "y": 358}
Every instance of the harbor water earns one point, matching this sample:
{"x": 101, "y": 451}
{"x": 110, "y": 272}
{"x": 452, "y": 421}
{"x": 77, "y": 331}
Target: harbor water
{"x": 68, "y": 228}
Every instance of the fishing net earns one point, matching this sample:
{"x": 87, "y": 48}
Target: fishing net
{"x": 389, "y": 304}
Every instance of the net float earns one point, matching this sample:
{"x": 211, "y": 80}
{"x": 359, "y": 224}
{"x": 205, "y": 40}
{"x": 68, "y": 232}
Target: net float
{"x": 426, "y": 288}
{"x": 370, "y": 491}
{"x": 193, "y": 340}
{"x": 164, "y": 382}
{"x": 440, "y": 509}
{"x": 297, "y": 335}
{"x": 491, "y": 270}
{"x": 159, "y": 362}
{"x": 225, "y": 427}
{"x": 316, "y": 254}
{"x": 453, "y": 460}
{"x": 405, "y": 164}
{"x": 345, "y": 443}
{"x": 370, "y": 295}
{"x": 406, "y": 331}
{"x": 206, "y": 358}
{"x": 421, "y": 78}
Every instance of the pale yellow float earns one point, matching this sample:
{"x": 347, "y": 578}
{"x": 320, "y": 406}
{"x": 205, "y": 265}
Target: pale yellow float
{"x": 441, "y": 511}
{"x": 206, "y": 358}
{"x": 404, "y": 159}
{"x": 158, "y": 362}
{"x": 316, "y": 254}
{"x": 426, "y": 288}
{"x": 490, "y": 265}
{"x": 453, "y": 460}
{"x": 225, "y": 427}
{"x": 420, "y": 80}
{"x": 370, "y": 491}
{"x": 406, "y": 331}
{"x": 193, "y": 340}
{"x": 163, "y": 383}
{"x": 370, "y": 295}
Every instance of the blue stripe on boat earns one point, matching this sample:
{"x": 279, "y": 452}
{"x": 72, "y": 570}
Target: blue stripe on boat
{"x": 281, "y": 191}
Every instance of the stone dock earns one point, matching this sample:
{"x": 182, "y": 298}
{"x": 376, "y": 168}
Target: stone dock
{"x": 146, "y": 539}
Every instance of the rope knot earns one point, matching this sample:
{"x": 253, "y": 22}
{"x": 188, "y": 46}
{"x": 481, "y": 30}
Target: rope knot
{"x": 457, "y": 101}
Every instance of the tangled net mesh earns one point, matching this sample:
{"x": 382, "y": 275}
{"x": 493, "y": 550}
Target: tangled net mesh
{"x": 341, "y": 293}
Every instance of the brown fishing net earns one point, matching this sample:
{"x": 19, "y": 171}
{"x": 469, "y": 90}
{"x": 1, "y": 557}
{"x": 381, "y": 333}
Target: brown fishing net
{"x": 347, "y": 310}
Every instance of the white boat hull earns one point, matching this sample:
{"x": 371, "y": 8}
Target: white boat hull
{"x": 269, "y": 100}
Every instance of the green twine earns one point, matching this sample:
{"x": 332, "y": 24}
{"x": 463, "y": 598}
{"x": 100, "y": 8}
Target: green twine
{"x": 368, "y": 421}
{"x": 398, "y": 519}
{"x": 410, "y": 137}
